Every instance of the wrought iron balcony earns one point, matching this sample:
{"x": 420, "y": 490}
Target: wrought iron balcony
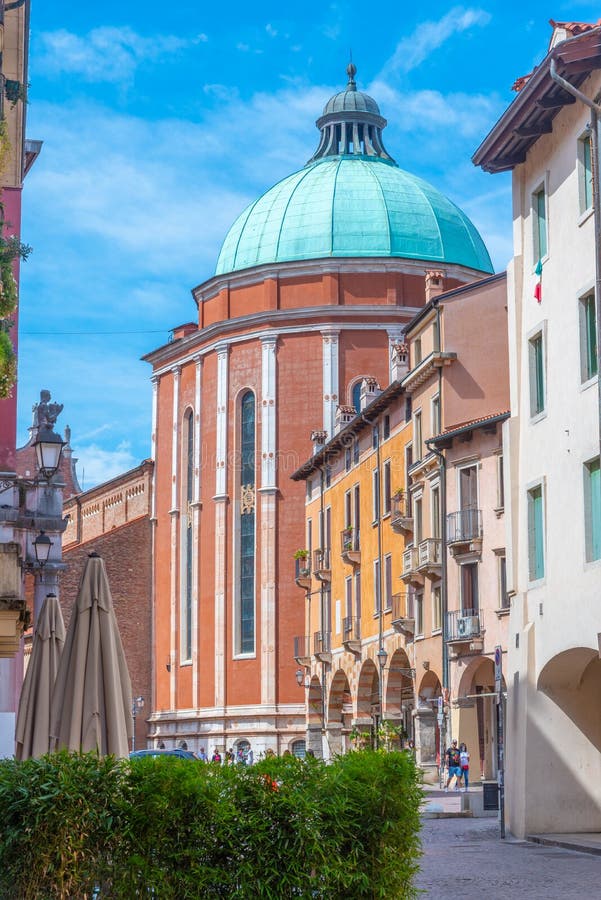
{"x": 464, "y": 626}
{"x": 351, "y": 633}
{"x": 302, "y": 572}
{"x": 350, "y": 547}
{"x": 464, "y": 526}
{"x": 321, "y": 564}
{"x": 401, "y": 517}
{"x": 322, "y": 648}
{"x": 302, "y": 650}
{"x": 430, "y": 555}
{"x": 403, "y": 615}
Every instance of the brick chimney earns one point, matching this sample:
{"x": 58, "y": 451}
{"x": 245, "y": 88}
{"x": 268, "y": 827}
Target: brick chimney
{"x": 434, "y": 284}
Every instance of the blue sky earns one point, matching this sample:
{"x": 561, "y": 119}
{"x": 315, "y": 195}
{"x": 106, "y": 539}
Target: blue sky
{"x": 161, "y": 122}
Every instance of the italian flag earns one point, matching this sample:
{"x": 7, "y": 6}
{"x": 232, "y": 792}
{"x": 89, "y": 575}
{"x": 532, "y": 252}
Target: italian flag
{"x": 538, "y": 287}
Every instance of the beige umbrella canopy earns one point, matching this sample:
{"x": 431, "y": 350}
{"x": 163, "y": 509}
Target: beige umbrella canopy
{"x": 91, "y": 703}
{"x": 32, "y": 734}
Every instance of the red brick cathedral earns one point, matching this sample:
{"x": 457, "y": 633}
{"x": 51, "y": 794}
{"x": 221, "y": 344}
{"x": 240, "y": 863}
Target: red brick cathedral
{"x": 313, "y": 287}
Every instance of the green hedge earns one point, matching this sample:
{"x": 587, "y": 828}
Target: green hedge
{"x": 76, "y": 826}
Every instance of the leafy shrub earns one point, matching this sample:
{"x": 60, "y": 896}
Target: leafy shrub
{"x": 76, "y": 826}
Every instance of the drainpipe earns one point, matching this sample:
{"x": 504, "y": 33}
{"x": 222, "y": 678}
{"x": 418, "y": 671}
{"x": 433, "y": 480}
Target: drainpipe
{"x": 596, "y": 156}
{"x": 380, "y": 581}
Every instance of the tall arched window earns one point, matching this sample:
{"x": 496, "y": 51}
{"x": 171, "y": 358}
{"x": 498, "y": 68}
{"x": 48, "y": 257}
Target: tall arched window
{"x": 356, "y": 395}
{"x": 187, "y": 536}
{"x": 246, "y": 606}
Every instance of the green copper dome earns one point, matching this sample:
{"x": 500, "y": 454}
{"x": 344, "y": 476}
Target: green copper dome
{"x": 352, "y": 200}
{"x": 347, "y": 206}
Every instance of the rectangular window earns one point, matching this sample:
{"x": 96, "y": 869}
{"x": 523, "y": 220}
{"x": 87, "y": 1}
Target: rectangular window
{"x": 417, "y": 352}
{"x": 500, "y": 483}
{"x": 348, "y": 512}
{"x": 348, "y": 595}
{"x": 468, "y": 487}
{"x": 503, "y": 598}
{"x": 419, "y": 612}
{"x": 417, "y": 434}
{"x": 436, "y": 415}
{"x": 309, "y": 488}
{"x": 469, "y": 587}
{"x": 408, "y": 406}
{"x": 592, "y": 510}
{"x": 588, "y": 337}
{"x": 585, "y": 173}
{"x": 436, "y": 512}
{"x": 408, "y": 464}
{"x": 355, "y": 452}
{"x": 417, "y": 521}
{"x": 357, "y": 508}
{"x": 328, "y": 475}
{"x": 388, "y": 581}
{"x": 537, "y": 374}
{"x": 374, "y": 437}
{"x": 376, "y": 585}
{"x": 436, "y": 608}
{"x": 536, "y": 534}
{"x": 387, "y": 488}
{"x": 347, "y": 459}
{"x": 375, "y": 483}
{"x": 358, "y": 594}
{"x": 386, "y": 427}
{"x": 539, "y": 213}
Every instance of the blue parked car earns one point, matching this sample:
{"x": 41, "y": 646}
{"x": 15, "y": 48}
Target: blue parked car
{"x": 154, "y": 752}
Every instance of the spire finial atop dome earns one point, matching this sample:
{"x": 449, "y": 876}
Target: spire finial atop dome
{"x": 351, "y": 71}
{"x": 351, "y": 124}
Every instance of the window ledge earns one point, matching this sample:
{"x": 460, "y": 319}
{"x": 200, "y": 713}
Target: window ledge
{"x": 537, "y": 417}
{"x": 185, "y": 663}
{"x": 584, "y": 216}
{"x": 543, "y": 260}
{"x": 419, "y": 637}
{"x": 585, "y": 385}
{"x": 244, "y": 656}
{"x": 436, "y": 631}
{"x": 502, "y": 611}
{"x": 498, "y": 511}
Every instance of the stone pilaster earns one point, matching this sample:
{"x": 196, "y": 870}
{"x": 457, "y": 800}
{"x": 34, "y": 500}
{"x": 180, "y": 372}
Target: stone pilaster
{"x": 330, "y": 378}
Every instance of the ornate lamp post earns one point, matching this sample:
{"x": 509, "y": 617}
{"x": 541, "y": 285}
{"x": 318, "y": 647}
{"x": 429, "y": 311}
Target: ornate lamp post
{"x": 137, "y": 705}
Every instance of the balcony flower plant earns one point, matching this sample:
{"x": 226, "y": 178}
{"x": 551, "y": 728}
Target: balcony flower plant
{"x": 302, "y": 565}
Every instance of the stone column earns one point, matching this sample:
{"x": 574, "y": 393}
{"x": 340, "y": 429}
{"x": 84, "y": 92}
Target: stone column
{"x": 220, "y": 499}
{"x": 268, "y": 518}
{"x": 330, "y": 378}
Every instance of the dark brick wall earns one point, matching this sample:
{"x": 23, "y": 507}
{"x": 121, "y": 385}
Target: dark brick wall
{"x": 127, "y": 555}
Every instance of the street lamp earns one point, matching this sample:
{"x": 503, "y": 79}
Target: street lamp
{"x": 137, "y": 704}
{"x": 302, "y": 679}
{"x": 48, "y": 450}
{"x": 41, "y": 546}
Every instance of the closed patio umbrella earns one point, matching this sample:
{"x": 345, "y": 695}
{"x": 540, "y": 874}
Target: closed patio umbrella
{"x": 91, "y": 703}
{"x": 32, "y": 732}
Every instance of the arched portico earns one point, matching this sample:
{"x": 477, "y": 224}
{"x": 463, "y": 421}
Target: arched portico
{"x": 399, "y": 696}
{"x": 315, "y": 717}
{"x": 368, "y": 699}
{"x": 425, "y": 725}
{"x": 474, "y": 716}
{"x": 339, "y": 713}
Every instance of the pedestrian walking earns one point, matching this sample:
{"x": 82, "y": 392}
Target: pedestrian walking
{"x": 216, "y": 757}
{"x": 202, "y": 755}
{"x": 464, "y": 762}
{"x": 453, "y": 762}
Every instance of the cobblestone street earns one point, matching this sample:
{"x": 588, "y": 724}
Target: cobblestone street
{"x": 465, "y": 859}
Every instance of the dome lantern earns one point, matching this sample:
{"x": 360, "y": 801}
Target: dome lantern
{"x": 351, "y": 124}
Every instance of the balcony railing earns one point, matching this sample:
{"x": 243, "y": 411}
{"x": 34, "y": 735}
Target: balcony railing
{"x": 400, "y": 511}
{"x": 302, "y": 572}
{"x": 402, "y": 606}
{"x": 350, "y": 546}
{"x": 464, "y": 625}
{"x": 302, "y": 649}
{"x": 464, "y": 526}
{"x": 321, "y": 564}
{"x": 351, "y": 629}
{"x": 410, "y": 561}
{"x": 321, "y": 644}
{"x": 430, "y": 556}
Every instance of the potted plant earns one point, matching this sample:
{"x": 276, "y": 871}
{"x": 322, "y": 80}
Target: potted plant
{"x": 302, "y": 565}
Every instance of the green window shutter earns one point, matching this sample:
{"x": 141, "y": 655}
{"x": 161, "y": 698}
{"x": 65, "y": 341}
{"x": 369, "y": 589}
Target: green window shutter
{"x": 541, "y": 223}
{"x": 588, "y": 173}
{"x": 595, "y": 501}
{"x": 536, "y": 550}
{"x": 591, "y": 336}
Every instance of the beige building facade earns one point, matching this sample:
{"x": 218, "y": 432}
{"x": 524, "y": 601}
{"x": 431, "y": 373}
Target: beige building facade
{"x": 552, "y": 442}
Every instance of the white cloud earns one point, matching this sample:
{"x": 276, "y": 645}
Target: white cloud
{"x": 106, "y": 54}
{"x": 97, "y": 464}
{"x": 271, "y": 31}
{"x": 429, "y": 36}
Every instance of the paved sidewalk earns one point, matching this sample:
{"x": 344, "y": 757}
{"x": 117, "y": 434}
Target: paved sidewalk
{"x": 465, "y": 858}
